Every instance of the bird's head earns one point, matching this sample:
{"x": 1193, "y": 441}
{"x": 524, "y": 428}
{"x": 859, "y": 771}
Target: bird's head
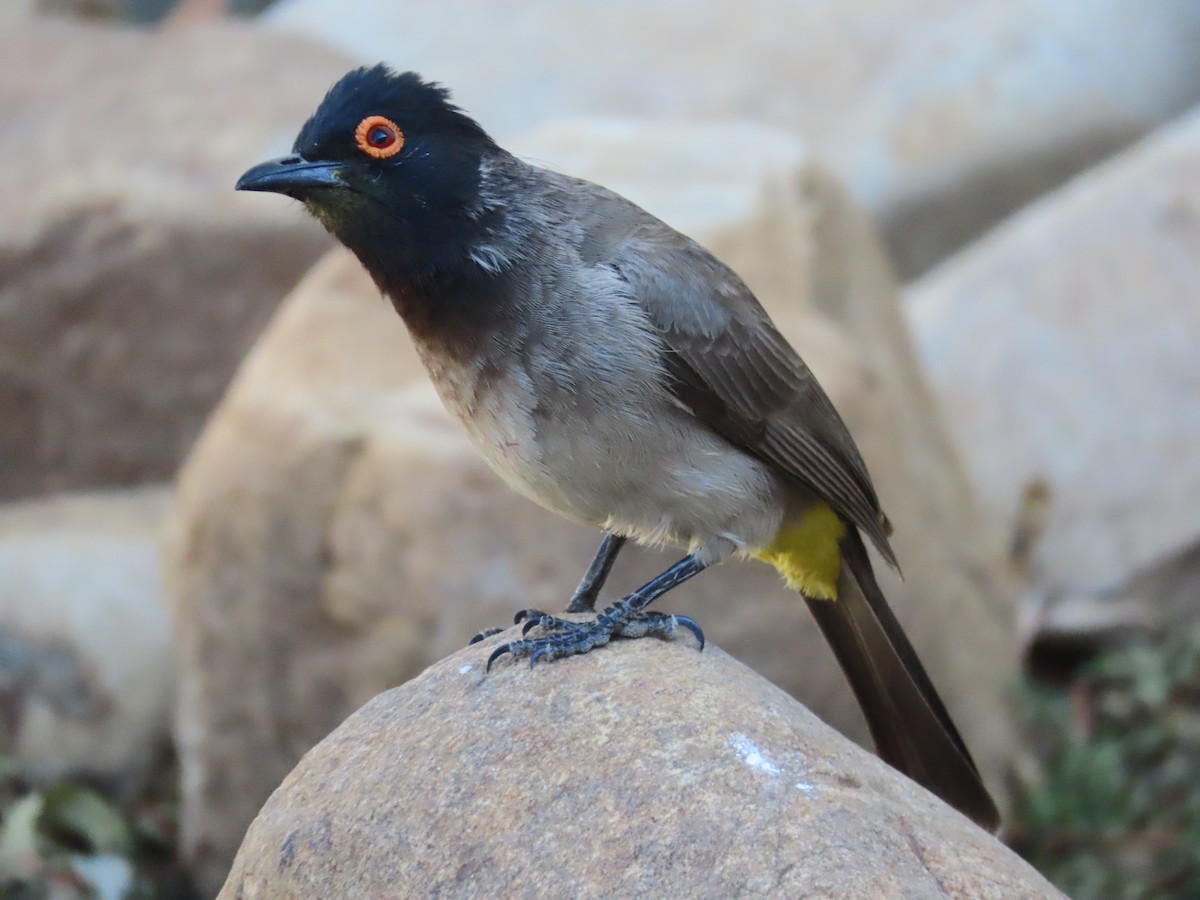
{"x": 392, "y": 168}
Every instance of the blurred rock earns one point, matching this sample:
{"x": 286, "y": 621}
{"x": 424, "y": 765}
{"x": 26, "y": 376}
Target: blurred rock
{"x": 1064, "y": 627}
{"x": 335, "y": 533}
{"x": 132, "y": 277}
{"x": 643, "y": 771}
{"x": 942, "y": 116}
{"x": 86, "y": 675}
{"x": 85, "y": 9}
{"x": 1170, "y": 587}
{"x": 14, "y": 12}
{"x": 1064, "y": 349}
{"x": 149, "y": 11}
{"x": 190, "y": 12}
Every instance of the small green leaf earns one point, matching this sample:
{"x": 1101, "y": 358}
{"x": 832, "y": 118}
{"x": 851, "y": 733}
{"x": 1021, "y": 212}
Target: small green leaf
{"x": 20, "y": 851}
{"x": 85, "y": 815}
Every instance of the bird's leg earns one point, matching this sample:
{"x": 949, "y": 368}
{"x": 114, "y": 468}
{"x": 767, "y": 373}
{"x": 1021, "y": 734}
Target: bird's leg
{"x": 584, "y": 598}
{"x": 625, "y": 618}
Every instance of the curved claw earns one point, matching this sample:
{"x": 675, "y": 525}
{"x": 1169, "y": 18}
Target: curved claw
{"x": 530, "y": 624}
{"x": 537, "y": 654}
{"x": 523, "y": 614}
{"x": 691, "y": 625}
{"x": 484, "y": 635}
{"x": 496, "y": 654}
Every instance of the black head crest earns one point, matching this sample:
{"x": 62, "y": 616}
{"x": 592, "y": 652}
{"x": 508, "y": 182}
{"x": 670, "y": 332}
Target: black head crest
{"x": 395, "y": 170}
{"x": 421, "y": 108}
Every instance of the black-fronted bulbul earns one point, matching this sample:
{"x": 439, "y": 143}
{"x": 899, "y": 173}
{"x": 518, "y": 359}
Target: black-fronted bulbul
{"x": 615, "y": 372}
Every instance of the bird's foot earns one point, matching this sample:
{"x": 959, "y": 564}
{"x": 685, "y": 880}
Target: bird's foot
{"x": 573, "y": 638}
{"x": 484, "y": 635}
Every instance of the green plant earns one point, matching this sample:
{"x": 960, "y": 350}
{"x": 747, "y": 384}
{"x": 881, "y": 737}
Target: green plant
{"x": 1110, "y": 806}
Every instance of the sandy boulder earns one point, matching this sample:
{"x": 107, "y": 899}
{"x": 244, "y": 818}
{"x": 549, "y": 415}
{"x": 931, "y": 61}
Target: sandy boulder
{"x": 1063, "y": 350}
{"x": 132, "y": 277}
{"x": 644, "y": 770}
{"x": 86, "y": 671}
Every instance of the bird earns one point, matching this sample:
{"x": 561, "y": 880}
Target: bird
{"x": 614, "y": 371}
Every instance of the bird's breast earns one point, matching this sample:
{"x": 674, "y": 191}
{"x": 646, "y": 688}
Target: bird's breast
{"x": 564, "y": 411}
{"x": 612, "y": 452}
{"x": 569, "y": 402}
{"x": 494, "y": 401}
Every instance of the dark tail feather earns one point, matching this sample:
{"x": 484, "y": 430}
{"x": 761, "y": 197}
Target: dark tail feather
{"x": 910, "y": 726}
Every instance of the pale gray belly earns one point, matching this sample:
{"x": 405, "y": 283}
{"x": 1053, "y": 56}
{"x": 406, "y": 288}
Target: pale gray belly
{"x": 624, "y": 459}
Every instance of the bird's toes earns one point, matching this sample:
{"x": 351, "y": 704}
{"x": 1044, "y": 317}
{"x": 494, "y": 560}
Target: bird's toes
{"x": 551, "y": 623}
{"x": 691, "y": 625}
{"x": 659, "y": 625}
{"x": 574, "y": 638}
{"x": 484, "y": 635}
{"x": 512, "y": 648}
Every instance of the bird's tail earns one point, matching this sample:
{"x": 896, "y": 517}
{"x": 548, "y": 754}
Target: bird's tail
{"x": 910, "y": 725}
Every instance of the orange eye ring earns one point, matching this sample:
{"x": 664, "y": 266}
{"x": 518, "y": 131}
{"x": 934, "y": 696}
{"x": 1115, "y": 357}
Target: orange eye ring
{"x": 379, "y": 137}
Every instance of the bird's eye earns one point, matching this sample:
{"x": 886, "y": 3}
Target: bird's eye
{"x": 379, "y": 137}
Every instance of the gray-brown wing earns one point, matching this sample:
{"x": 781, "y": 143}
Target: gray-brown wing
{"x": 734, "y": 369}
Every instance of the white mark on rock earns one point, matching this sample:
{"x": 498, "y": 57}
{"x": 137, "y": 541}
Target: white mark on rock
{"x": 465, "y": 669}
{"x": 751, "y": 755}
{"x": 805, "y": 788}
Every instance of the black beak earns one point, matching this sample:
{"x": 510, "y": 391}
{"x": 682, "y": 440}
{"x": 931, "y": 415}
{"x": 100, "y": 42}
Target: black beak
{"x": 290, "y": 175}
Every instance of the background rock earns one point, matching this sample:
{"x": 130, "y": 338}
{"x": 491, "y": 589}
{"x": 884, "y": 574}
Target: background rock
{"x": 1063, "y": 348}
{"x": 941, "y": 116}
{"x": 642, "y": 770}
{"x": 1170, "y": 588}
{"x": 146, "y": 11}
{"x": 86, "y": 675}
{"x": 15, "y": 11}
{"x": 91, "y": 9}
{"x": 335, "y": 534}
{"x": 132, "y": 277}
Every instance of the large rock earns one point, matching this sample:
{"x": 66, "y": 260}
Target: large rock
{"x": 642, "y": 771}
{"x": 335, "y": 533}
{"x": 1063, "y": 348}
{"x": 86, "y": 674}
{"x": 91, "y": 9}
{"x": 132, "y": 277}
{"x": 942, "y": 116}
{"x": 16, "y": 12}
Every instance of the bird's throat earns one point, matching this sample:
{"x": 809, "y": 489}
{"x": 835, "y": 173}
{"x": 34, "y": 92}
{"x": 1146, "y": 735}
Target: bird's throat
{"x": 457, "y": 308}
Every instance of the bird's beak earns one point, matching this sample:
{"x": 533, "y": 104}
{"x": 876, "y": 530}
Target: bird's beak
{"x": 290, "y": 175}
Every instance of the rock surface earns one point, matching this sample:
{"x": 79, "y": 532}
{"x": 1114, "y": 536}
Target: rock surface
{"x": 1063, "y": 348}
{"x": 335, "y": 533}
{"x": 641, "y": 770}
{"x": 16, "y": 12}
{"x": 941, "y": 116}
{"x": 132, "y": 277}
{"x": 86, "y": 673}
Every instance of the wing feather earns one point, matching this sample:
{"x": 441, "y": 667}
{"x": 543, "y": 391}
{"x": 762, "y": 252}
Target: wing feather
{"x": 734, "y": 369}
